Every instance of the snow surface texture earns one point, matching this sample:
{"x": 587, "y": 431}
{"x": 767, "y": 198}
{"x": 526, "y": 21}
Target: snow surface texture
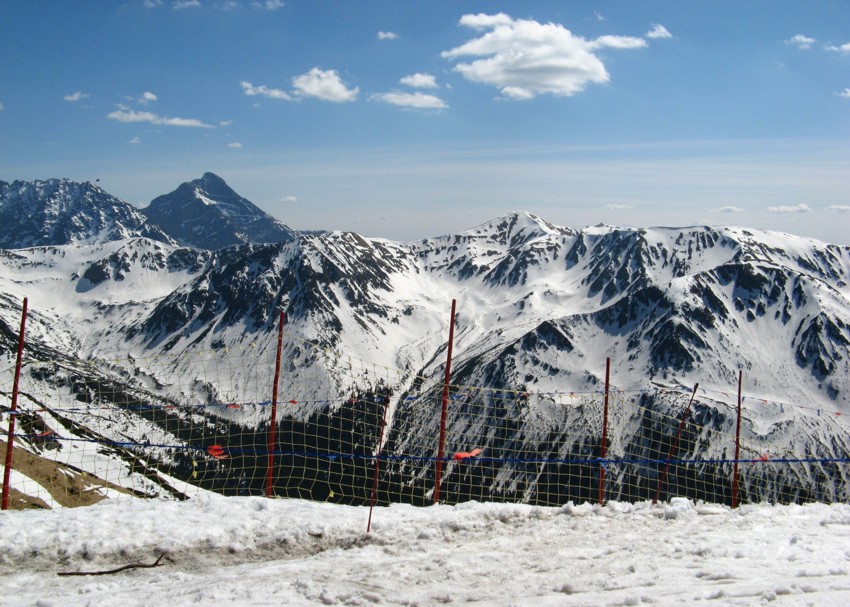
{"x": 256, "y": 551}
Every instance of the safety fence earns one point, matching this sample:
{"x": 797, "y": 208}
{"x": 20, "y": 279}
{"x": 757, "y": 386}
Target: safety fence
{"x": 289, "y": 418}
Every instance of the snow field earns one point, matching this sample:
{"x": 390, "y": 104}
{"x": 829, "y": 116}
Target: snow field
{"x": 254, "y": 551}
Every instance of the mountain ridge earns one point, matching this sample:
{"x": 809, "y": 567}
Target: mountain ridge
{"x": 540, "y": 309}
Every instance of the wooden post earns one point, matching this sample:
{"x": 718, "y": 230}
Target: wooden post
{"x": 273, "y": 421}
{"x": 675, "y": 446}
{"x": 378, "y": 463}
{"x": 737, "y": 443}
{"x": 13, "y": 413}
{"x": 604, "y": 447}
{"x": 444, "y": 413}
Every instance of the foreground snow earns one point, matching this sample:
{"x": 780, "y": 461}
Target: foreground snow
{"x": 255, "y": 551}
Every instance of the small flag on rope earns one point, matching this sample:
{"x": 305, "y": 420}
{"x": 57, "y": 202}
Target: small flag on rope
{"x": 232, "y": 406}
{"x": 462, "y": 455}
{"x": 217, "y": 451}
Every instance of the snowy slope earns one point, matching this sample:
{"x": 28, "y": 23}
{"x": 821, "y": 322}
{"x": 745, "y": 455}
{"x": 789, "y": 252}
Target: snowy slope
{"x": 540, "y": 307}
{"x": 255, "y": 551}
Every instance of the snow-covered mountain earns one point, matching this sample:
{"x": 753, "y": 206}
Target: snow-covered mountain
{"x": 540, "y": 307}
{"x": 206, "y": 213}
{"x": 60, "y": 212}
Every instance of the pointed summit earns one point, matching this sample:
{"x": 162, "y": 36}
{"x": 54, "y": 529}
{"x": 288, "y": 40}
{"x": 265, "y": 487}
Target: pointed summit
{"x": 206, "y": 213}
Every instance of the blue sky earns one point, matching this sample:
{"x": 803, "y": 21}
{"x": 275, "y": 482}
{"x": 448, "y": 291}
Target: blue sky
{"x": 419, "y": 118}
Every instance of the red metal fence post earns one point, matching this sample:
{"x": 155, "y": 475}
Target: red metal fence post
{"x": 675, "y": 445}
{"x": 378, "y": 463}
{"x": 13, "y": 412}
{"x": 604, "y": 447}
{"x": 443, "y": 415}
{"x": 273, "y": 421}
{"x": 737, "y": 443}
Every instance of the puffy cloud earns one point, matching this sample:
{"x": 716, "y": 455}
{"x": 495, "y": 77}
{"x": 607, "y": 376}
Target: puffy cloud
{"x": 844, "y": 48}
{"x": 414, "y": 100}
{"x": 130, "y": 116}
{"x": 234, "y": 144}
{"x": 728, "y": 209}
{"x": 801, "y": 41}
{"x": 147, "y": 97}
{"x": 289, "y": 199}
{"x": 844, "y": 93}
{"x": 619, "y": 207}
{"x": 387, "y": 36}
{"x": 420, "y": 81}
{"x": 76, "y": 96}
{"x": 524, "y": 58}
{"x": 181, "y": 4}
{"x": 264, "y": 91}
{"x": 800, "y": 208}
{"x": 658, "y": 31}
{"x": 152, "y": 3}
{"x": 135, "y": 141}
{"x": 324, "y": 84}
{"x": 839, "y": 208}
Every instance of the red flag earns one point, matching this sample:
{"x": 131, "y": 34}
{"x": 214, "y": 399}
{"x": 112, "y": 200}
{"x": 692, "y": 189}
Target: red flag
{"x": 462, "y": 455}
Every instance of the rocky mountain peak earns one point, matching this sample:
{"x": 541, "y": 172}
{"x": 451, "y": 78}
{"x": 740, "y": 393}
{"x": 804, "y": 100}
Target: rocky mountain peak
{"x": 207, "y": 213}
{"x": 62, "y": 211}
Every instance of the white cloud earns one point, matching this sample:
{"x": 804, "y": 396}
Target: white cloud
{"x": 234, "y": 144}
{"x": 147, "y": 97}
{"x": 844, "y": 48}
{"x": 324, "y": 84}
{"x": 658, "y": 31}
{"x": 420, "y": 81}
{"x": 524, "y": 58}
{"x": 264, "y": 91}
{"x": 387, "y": 36}
{"x": 289, "y": 199}
{"x": 225, "y": 122}
{"x": 619, "y": 207}
{"x": 76, "y": 96}
{"x": 844, "y": 93}
{"x": 135, "y": 141}
{"x": 415, "y": 100}
{"x": 728, "y": 209}
{"x": 621, "y": 42}
{"x": 130, "y": 116}
{"x": 152, "y": 3}
{"x": 800, "y": 208}
{"x": 801, "y": 41}
{"x": 181, "y": 4}
{"x": 839, "y": 208}
{"x": 269, "y": 5}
